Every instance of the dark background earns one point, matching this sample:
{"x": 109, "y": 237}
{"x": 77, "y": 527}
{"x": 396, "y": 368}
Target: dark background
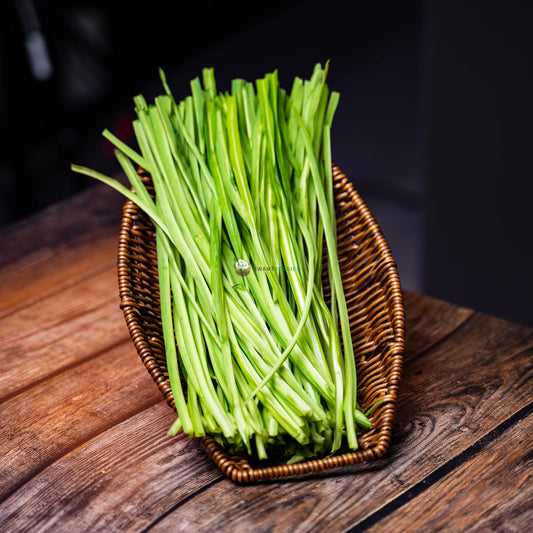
{"x": 434, "y": 125}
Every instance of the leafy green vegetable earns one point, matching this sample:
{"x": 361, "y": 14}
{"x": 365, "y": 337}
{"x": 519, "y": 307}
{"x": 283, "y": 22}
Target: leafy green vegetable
{"x": 244, "y": 178}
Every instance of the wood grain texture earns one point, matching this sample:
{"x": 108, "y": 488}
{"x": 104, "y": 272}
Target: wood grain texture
{"x": 45, "y": 271}
{"x": 81, "y": 218}
{"x": 451, "y": 396}
{"x": 374, "y": 305}
{"x": 139, "y": 454}
{"x": 116, "y": 481}
{"x": 490, "y": 491}
{"x": 83, "y": 444}
{"x": 74, "y": 324}
{"x": 44, "y": 422}
{"x": 59, "y": 246}
{"x": 428, "y": 321}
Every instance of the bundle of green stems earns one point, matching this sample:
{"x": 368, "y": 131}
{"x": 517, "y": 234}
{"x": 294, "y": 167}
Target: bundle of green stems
{"x": 244, "y": 178}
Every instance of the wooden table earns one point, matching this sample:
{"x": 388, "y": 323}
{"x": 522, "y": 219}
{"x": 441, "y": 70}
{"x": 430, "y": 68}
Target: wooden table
{"x": 83, "y": 444}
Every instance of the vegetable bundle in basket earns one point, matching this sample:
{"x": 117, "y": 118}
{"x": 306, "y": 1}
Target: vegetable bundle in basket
{"x": 245, "y": 219}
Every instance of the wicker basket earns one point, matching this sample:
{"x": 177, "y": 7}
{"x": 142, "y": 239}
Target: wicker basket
{"x": 375, "y": 306}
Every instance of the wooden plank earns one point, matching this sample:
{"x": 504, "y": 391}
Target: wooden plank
{"x": 104, "y": 450}
{"x": 94, "y": 211}
{"x": 451, "y": 396}
{"x": 115, "y": 482}
{"x": 59, "y": 246}
{"x": 44, "y": 272}
{"x": 428, "y": 321}
{"x": 491, "y": 491}
{"x": 48, "y": 420}
{"x": 74, "y": 324}
{"x": 83, "y": 318}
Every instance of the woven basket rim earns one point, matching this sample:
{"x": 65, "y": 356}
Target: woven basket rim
{"x": 237, "y": 467}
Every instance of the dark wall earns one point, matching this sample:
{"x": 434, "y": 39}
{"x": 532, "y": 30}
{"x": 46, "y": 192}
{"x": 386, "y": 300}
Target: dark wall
{"x": 97, "y": 56}
{"x": 103, "y": 54}
{"x": 434, "y": 123}
{"x": 480, "y": 155}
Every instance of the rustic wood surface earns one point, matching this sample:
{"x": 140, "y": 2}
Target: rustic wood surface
{"x": 83, "y": 444}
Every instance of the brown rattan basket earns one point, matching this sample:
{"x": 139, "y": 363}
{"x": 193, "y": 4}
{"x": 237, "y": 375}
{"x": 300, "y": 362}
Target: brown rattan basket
{"x": 375, "y": 306}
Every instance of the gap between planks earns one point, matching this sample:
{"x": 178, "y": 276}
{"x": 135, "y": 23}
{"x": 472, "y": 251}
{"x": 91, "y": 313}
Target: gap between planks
{"x": 83, "y": 277}
{"x": 46, "y": 422}
{"x": 130, "y": 415}
{"x": 54, "y": 325}
{"x": 470, "y": 447}
{"x": 449, "y": 466}
{"x": 416, "y": 490}
{"x": 62, "y": 370}
{"x": 440, "y": 335}
{"x": 185, "y": 500}
{"x": 66, "y": 451}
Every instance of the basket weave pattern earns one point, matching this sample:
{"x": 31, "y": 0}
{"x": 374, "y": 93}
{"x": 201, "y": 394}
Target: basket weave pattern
{"x": 375, "y": 307}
